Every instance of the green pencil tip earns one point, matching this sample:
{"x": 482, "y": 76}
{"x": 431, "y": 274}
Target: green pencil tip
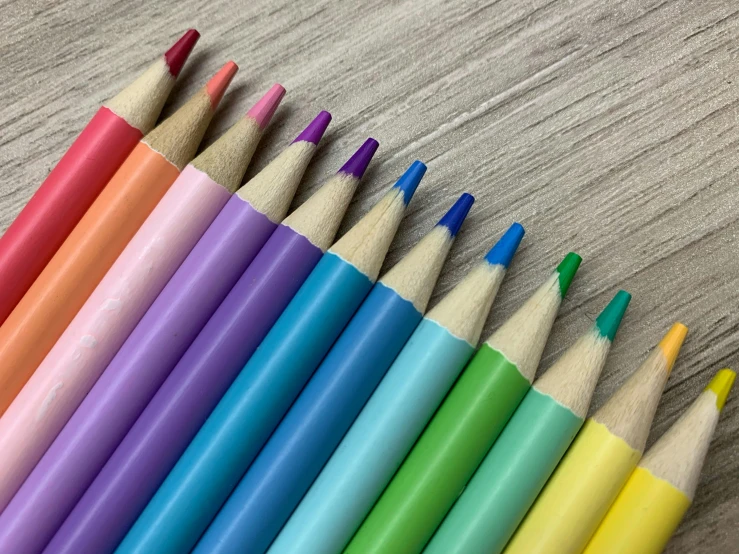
{"x": 610, "y": 318}
{"x": 567, "y": 269}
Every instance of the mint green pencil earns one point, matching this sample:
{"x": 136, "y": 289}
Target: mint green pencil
{"x": 518, "y": 465}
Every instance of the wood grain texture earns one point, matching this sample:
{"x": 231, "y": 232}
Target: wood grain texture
{"x": 608, "y": 128}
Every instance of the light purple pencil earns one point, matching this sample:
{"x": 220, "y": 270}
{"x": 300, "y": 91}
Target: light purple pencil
{"x": 154, "y": 347}
{"x": 152, "y": 447}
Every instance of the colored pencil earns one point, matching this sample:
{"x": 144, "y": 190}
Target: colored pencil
{"x": 519, "y": 463}
{"x": 42, "y": 407}
{"x": 72, "y": 186}
{"x": 465, "y": 426}
{"x": 61, "y": 289}
{"x": 397, "y": 411}
{"x": 181, "y": 405}
{"x": 269, "y": 383}
{"x": 605, "y": 452}
{"x": 654, "y": 500}
{"x": 192, "y": 295}
{"x": 118, "y": 303}
{"x": 306, "y": 437}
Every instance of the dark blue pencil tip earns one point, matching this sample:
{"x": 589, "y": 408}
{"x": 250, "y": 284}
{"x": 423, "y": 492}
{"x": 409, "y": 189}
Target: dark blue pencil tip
{"x": 503, "y": 251}
{"x": 454, "y": 218}
{"x": 357, "y": 164}
{"x": 409, "y": 181}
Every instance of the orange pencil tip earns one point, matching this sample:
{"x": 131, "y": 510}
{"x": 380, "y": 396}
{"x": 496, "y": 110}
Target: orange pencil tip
{"x": 672, "y": 342}
{"x": 265, "y": 108}
{"x": 218, "y": 84}
{"x": 178, "y": 54}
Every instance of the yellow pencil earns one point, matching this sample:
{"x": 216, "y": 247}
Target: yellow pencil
{"x": 600, "y": 460}
{"x": 655, "y": 498}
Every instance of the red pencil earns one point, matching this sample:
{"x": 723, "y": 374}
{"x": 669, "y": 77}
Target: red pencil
{"x": 84, "y": 170}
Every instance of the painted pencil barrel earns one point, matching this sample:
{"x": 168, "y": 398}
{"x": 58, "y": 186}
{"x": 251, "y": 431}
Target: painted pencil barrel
{"x": 250, "y": 410}
{"x": 645, "y": 515}
{"x": 508, "y": 480}
{"x": 108, "y": 316}
{"x": 377, "y": 443}
{"x": 574, "y": 501}
{"x": 444, "y": 458}
{"x": 184, "y": 401}
{"x": 306, "y": 437}
{"x": 60, "y": 202}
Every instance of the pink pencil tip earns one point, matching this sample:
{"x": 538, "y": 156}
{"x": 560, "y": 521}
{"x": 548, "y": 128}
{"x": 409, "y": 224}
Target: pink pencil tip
{"x": 263, "y": 110}
{"x": 178, "y": 54}
{"x": 218, "y": 84}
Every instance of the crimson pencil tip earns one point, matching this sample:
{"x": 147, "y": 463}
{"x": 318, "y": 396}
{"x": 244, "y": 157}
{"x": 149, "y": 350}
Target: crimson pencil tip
{"x": 315, "y": 129}
{"x": 178, "y": 54}
{"x": 263, "y": 110}
{"x": 218, "y": 84}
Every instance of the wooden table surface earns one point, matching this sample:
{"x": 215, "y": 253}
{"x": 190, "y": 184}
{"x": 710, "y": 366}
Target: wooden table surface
{"x": 604, "y": 126}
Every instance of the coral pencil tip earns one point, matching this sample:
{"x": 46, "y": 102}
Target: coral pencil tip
{"x": 409, "y": 181}
{"x": 503, "y": 251}
{"x": 315, "y": 129}
{"x": 672, "y": 342}
{"x": 357, "y": 164}
{"x": 177, "y": 55}
{"x": 567, "y": 269}
{"x": 721, "y": 385}
{"x": 218, "y": 84}
{"x": 265, "y": 108}
{"x": 610, "y": 318}
{"x": 456, "y": 215}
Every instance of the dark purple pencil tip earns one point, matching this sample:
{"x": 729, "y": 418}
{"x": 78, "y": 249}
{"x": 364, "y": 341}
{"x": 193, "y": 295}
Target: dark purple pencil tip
{"x": 315, "y": 129}
{"x": 357, "y": 164}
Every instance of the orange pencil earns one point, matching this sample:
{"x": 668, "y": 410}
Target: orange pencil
{"x": 101, "y": 235}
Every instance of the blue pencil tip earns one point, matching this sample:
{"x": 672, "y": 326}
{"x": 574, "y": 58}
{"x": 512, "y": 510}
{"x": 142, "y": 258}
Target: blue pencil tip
{"x": 454, "y": 218}
{"x": 409, "y": 181}
{"x": 503, "y": 251}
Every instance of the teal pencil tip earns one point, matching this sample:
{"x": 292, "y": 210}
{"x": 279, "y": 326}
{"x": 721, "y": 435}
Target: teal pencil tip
{"x": 567, "y": 269}
{"x": 609, "y": 319}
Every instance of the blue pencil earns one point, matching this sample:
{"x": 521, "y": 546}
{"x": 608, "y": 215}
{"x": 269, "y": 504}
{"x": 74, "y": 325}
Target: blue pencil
{"x": 307, "y": 436}
{"x": 397, "y": 412}
{"x": 266, "y": 387}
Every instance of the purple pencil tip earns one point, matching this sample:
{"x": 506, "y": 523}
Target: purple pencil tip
{"x": 357, "y": 164}
{"x": 315, "y": 129}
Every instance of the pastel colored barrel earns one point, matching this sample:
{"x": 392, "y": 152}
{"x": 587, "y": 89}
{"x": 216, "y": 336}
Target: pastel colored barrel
{"x": 60, "y": 202}
{"x": 311, "y": 430}
{"x": 644, "y": 517}
{"x": 377, "y": 443}
{"x": 251, "y": 409}
{"x": 45, "y": 404}
{"x": 579, "y": 493}
{"x": 506, "y": 484}
{"x": 107, "y": 318}
{"x": 444, "y": 458}
{"x": 184, "y": 401}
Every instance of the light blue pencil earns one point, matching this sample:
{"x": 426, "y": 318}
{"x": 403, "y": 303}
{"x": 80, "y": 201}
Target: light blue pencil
{"x": 397, "y": 412}
{"x": 253, "y": 406}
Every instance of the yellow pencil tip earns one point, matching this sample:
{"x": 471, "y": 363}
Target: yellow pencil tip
{"x": 671, "y": 343}
{"x": 721, "y": 385}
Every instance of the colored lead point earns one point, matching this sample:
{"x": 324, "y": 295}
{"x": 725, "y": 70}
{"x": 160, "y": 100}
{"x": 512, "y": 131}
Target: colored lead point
{"x": 315, "y": 129}
{"x": 265, "y": 107}
{"x": 610, "y": 318}
{"x": 503, "y": 251}
{"x": 357, "y": 164}
{"x": 567, "y": 269}
{"x": 456, "y": 215}
{"x": 409, "y": 181}
{"x": 177, "y": 55}
{"x": 220, "y": 81}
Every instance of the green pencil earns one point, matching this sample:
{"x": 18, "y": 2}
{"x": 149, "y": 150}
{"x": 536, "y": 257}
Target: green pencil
{"x": 465, "y": 427}
{"x": 518, "y": 465}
